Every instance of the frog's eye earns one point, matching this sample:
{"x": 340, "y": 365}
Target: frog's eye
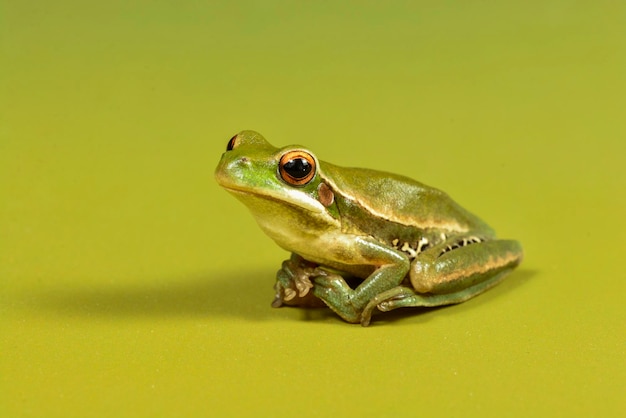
{"x": 232, "y": 143}
{"x": 297, "y": 167}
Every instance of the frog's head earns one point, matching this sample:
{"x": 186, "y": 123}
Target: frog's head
{"x": 282, "y": 187}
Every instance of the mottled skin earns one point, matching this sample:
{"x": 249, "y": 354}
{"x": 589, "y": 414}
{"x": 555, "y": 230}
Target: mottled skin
{"x": 408, "y": 244}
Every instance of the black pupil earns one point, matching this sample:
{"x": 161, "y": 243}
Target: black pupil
{"x": 231, "y": 143}
{"x": 298, "y": 168}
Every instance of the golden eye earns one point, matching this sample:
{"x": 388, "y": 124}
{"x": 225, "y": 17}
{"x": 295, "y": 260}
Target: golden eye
{"x": 297, "y": 167}
{"x": 232, "y": 143}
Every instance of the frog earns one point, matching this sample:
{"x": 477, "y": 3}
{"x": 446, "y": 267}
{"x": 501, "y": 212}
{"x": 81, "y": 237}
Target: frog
{"x": 361, "y": 240}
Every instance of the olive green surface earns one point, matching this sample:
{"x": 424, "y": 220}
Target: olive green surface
{"x": 131, "y": 285}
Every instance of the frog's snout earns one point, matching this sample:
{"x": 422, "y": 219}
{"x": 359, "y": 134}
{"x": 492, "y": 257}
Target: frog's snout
{"x": 230, "y": 169}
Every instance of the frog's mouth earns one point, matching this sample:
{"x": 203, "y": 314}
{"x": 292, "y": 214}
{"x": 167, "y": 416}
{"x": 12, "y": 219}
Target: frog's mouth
{"x": 246, "y": 196}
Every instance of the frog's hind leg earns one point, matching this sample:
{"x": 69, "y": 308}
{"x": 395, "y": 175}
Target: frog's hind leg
{"x": 404, "y": 297}
{"x": 430, "y": 300}
{"x": 451, "y": 269}
{"x": 445, "y": 276}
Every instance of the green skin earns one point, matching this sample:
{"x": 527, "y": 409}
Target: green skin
{"x": 405, "y": 244}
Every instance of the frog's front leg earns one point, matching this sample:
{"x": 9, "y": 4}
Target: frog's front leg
{"x": 293, "y": 283}
{"x": 390, "y": 268}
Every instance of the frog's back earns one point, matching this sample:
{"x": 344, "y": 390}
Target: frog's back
{"x": 401, "y": 199}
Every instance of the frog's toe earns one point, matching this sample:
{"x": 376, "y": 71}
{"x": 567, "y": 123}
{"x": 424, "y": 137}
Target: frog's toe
{"x": 303, "y": 285}
{"x": 289, "y": 294}
{"x": 277, "y": 302}
{"x": 278, "y": 295}
{"x": 283, "y": 294}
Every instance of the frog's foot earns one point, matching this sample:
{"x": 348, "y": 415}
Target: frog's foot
{"x": 293, "y": 283}
{"x": 279, "y": 295}
{"x": 335, "y": 292}
{"x": 384, "y": 302}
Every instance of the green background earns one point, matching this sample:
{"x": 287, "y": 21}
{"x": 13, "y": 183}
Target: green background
{"x": 132, "y": 286}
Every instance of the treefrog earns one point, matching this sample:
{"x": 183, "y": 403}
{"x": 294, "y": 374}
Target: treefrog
{"x": 361, "y": 240}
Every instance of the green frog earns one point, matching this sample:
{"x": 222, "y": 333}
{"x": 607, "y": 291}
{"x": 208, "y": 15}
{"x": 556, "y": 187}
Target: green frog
{"x": 361, "y": 240}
